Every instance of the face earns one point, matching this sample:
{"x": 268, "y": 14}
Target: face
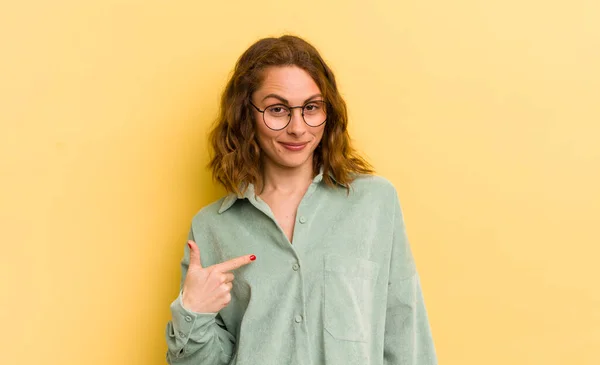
{"x": 293, "y": 146}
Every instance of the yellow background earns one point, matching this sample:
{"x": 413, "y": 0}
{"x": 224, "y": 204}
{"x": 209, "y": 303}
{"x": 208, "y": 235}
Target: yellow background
{"x": 484, "y": 114}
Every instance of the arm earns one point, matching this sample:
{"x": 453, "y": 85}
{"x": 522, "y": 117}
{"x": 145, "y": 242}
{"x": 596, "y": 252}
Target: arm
{"x": 196, "y": 338}
{"x": 408, "y": 339}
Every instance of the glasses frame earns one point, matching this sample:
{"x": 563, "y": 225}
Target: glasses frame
{"x": 291, "y": 108}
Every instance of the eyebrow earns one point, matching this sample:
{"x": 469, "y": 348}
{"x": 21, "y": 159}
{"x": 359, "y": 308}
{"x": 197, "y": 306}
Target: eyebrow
{"x": 284, "y": 100}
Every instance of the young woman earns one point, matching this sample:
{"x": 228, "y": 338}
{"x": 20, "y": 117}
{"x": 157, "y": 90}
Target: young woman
{"x": 323, "y": 269}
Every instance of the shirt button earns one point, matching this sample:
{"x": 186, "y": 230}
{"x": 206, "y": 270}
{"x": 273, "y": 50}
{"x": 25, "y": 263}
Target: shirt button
{"x": 303, "y": 219}
{"x": 181, "y": 334}
{"x": 298, "y": 319}
{"x": 188, "y": 318}
{"x": 295, "y": 267}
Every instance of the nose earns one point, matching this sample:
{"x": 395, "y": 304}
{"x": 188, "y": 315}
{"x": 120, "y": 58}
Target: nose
{"x": 297, "y": 126}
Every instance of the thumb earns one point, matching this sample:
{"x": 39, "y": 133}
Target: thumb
{"x": 194, "y": 254}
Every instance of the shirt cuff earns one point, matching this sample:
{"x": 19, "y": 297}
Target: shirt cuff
{"x": 187, "y": 323}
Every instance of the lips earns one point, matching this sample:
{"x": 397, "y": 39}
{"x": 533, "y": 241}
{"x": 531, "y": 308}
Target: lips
{"x": 294, "y": 146}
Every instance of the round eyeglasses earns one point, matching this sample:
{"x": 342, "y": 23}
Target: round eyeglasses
{"x": 278, "y": 116}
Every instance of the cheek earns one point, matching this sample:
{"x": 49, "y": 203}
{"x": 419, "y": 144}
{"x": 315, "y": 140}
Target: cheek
{"x": 262, "y": 131}
{"x": 319, "y": 134}
{"x": 265, "y": 135}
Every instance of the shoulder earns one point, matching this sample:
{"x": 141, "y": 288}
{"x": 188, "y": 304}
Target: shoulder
{"x": 373, "y": 192}
{"x": 373, "y": 185}
{"x": 209, "y": 212}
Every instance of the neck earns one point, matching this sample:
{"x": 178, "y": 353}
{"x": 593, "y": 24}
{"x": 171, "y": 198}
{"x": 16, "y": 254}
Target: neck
{"x": 287, "y": 180}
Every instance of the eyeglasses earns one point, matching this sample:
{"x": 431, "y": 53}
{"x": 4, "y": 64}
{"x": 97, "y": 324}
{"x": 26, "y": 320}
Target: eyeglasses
{"x": 278, "y": 116}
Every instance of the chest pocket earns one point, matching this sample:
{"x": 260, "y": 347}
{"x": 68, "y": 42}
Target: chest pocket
{"x": 349, "y": 285}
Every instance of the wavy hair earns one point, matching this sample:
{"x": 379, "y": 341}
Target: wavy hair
{"x": 236, "y": 156}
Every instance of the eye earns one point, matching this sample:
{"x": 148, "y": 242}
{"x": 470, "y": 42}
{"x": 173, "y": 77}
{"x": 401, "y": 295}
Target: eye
{"x": 278, "y": 110}
{"x": 313, "y": 107}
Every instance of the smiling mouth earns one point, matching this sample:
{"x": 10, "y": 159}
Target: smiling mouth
{"x": 294, "y": 146}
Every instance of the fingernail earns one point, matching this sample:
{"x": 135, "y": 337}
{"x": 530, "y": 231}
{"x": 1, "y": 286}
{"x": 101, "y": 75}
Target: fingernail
{"x": 252, "y": 257}
{"x": 189, "y": 245}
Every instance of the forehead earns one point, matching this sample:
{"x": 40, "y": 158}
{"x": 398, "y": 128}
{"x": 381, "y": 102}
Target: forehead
{"x": 290, "y": 82}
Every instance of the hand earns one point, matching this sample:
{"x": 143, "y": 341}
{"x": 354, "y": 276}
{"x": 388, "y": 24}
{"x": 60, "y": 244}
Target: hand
{"x": 207, "y": 289}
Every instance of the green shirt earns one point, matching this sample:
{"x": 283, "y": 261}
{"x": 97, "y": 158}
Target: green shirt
{"x": 345, "y": 292}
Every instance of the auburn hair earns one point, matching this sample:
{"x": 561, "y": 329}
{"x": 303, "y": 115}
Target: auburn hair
{"x": 236, "y": 156}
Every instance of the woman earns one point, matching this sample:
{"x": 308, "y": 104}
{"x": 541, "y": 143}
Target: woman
{"x": 323, "y": 269}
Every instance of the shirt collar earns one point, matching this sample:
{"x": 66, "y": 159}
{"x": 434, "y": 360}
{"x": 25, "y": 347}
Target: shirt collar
{"x": 231, "y": 198}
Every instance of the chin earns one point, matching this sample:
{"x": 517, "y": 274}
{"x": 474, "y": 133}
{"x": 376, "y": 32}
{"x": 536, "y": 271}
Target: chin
{"x": 293, "y": 162}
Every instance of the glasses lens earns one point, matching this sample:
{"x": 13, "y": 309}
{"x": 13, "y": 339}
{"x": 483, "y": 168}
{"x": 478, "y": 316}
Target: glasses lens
{"x": 277, "y": 116}
{"x": 315, "y": 113}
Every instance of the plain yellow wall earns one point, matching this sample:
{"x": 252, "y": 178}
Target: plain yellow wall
{"x": 484, "y": 114}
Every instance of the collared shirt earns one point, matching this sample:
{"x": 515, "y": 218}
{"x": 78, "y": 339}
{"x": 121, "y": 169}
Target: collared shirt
{"x": 344, "y": 292}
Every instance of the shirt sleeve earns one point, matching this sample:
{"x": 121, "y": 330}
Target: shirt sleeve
{"x": 408, "y": 339}
{"x": 196, "y": 338}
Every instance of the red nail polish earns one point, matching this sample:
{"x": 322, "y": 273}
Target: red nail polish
{"x": 252, "y": 257}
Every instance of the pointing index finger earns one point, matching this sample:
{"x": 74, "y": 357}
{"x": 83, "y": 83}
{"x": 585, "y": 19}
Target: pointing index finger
{"x": 235, "y": 263}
